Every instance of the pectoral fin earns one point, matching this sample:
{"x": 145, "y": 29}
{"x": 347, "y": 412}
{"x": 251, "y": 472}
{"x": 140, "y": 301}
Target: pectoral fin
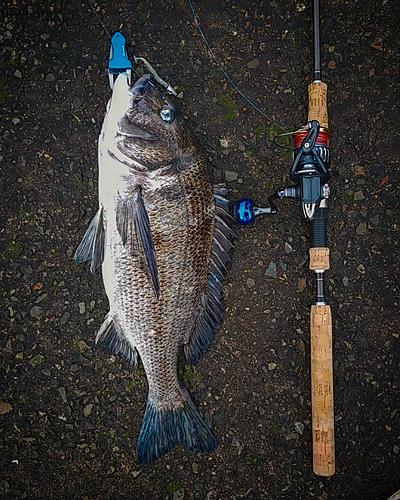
{"x": 92, "y": 244}
{"x": 134, "y": 228}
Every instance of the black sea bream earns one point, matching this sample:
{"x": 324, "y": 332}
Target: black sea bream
{"x": 162, "y": 237}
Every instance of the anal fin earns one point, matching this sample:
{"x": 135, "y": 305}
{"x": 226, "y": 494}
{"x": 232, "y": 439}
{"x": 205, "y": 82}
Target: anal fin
{"x": 115, "y": 343}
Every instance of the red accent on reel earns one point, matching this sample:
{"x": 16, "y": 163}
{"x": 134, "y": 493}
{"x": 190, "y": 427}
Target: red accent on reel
{"x": 322, "y": 139}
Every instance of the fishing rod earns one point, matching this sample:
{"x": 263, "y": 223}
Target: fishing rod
{"x": 310, "y": 176}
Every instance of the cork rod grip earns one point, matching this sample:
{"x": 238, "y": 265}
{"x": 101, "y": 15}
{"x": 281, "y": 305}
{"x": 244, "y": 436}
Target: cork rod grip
{"x": 317, "y": 103}
{"x": 322, "y": 391}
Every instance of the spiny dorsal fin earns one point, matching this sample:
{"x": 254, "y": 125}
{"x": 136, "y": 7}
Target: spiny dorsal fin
{"x": 92, "y": 244}
{"x": 133, "y": 225}
{"x": 115, "y": 343}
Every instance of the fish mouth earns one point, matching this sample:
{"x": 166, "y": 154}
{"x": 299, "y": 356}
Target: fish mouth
{"x": 141, "y": 85}
{"x": 129, "y": 128}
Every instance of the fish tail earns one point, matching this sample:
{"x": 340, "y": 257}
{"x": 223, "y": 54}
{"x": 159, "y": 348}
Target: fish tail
{"x": 163, "y": 429}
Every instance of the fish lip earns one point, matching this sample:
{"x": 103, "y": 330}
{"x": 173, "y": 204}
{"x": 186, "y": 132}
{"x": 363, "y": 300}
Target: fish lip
{"x": 140, "y": 85}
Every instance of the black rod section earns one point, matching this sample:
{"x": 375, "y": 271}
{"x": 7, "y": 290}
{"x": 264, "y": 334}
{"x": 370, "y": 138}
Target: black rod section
{"x": 317, "y": 43}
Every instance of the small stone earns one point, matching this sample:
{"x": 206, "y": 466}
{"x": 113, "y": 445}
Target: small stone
{"x": 255, "y": 63}
{"x": 299, "y": 426}
{"x": 64, "y": 318}
{"x": 50, "y": 77}
{"x": 302, "y": 285}
{"x": 195, "y": 468}
{"x": 82, "y": 308}
{"x": 396, "y": 449}
{"x": 361, "y": 228}
{"x": 17, "y": 73}
{"x": 4, "y": 408}
{"x": 282, "y": 265}
{"x": 235, "y": 442}
{"x": 272, "y": 366}
{"x": 332, "y": 65}
{"x": 345, "y": 281}
{"x": 179, "y": 495}
{"x": 358, "y": 195}
{"x": 74, "y": 368}
{"x": 271, "y": 271}
{"x": 63, "y": 394}
{"x": 70, "y": 251}
{"x": 361, "y": 269}
{"x": 231, "y": 176}
{"x": 250, "y": 283}
{"x": 180, "y": 95}
{"x": 36, "y": 360}
{"x": 224, "y": 143}
{"x": 135, "y": 473}
{"x": 288, "y": 248}
{"x": 16, "y": 121}
{"x": 36, "y": 312}
{"x": 88, "y": 410}
{"x": 77, "y": 102}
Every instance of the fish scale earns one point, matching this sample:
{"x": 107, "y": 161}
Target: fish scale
{"x": 163, "y": 257}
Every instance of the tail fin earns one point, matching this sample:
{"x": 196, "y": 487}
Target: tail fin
{"x": 163, "y": 429}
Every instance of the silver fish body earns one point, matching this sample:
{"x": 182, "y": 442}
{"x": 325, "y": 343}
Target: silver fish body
{"x": 162, "y": 237}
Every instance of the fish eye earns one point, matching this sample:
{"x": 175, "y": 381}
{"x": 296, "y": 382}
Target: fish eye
{"x": 167, "y": 115}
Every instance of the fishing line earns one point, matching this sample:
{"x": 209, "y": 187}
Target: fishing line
{"x": 98, "y": 17}
{"x": 225, "y": 73}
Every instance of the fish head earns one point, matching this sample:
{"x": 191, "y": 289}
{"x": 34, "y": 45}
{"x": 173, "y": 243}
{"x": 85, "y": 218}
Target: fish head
{"x": 142, "y": 126}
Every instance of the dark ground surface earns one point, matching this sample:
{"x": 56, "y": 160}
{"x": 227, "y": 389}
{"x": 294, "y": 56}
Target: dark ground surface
{"x": 70, "y": 414}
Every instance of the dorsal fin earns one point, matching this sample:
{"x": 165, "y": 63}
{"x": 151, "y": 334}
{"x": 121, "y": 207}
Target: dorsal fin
{"x": 210, "y": 309}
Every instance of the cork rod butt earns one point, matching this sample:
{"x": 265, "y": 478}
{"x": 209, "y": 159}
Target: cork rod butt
{"x": 322, "y": 391}
{"x": 317, "y": 103}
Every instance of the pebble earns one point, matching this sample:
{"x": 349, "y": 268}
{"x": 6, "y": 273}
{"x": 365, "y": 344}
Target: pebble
{"x": 36, "y": 360}
{"x": 288, "y": 248}
{"x": 64, "y": 318}
{"x": 299, "y": 426}
{"x": 250, "y": 283}
{"x": 82, "y": 308}
{"x": 235, "y": 442}
{"x": 16, "y": 121}
{"x": 195, "y": 467}
{"x": 272, "y": 366}
{"x": 4, "y": 408}
{"x": 396, "y": 449}
{"x": 224, "y": 143}
{"x": 282, "y": 265}
{"x": 345, "y": 281}
{"x": 88, "y": 410}
{"x": 17, "y": 73}
{"x": 255, "y": 63}
{"x": 361, "y": 228}
{"x": 36, "y": 312}
{"x": 77, "y": 102}
{"x": 50, "y": 77}
{"x": 231, "y": 176}
{"x": 271, "y": 271}
{"x": 358, "y": 195}
{"x": 63, "y": 394}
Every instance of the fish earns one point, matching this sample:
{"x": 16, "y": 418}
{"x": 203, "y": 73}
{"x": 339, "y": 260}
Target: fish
{"x": 163, "y": 238}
